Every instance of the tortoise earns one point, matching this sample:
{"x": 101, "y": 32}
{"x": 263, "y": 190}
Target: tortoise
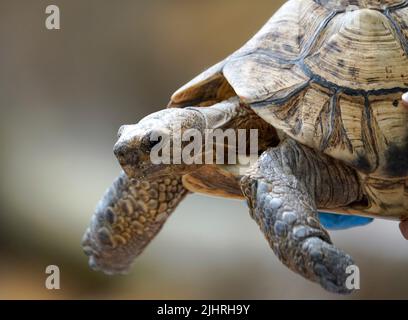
{"x": 322, "y": 83}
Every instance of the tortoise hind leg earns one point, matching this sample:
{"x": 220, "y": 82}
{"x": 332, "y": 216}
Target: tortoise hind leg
{"x": 126, "y": 220}
{"x": 283, "y": 190}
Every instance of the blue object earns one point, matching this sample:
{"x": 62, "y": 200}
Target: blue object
{"x": 333, "y": 221}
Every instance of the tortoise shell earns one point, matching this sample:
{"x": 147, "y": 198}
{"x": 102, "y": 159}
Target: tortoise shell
{"x": 329, "y": 74}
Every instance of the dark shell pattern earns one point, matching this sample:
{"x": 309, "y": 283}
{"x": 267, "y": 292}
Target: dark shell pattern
{"x": 330, "y": 74}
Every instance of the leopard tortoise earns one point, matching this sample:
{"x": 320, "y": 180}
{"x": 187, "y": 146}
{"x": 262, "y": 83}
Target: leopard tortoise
{"x": 322, "y": 83}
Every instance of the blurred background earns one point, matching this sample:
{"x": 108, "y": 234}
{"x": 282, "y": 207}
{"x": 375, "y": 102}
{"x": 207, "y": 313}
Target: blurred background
{"x": 64, "y": 94}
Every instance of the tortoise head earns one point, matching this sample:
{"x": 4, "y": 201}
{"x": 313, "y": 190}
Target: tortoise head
{"x": 151, "y": 148}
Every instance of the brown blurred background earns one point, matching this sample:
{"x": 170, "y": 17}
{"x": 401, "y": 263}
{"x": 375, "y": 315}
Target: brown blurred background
{"x": 63, "y": 95}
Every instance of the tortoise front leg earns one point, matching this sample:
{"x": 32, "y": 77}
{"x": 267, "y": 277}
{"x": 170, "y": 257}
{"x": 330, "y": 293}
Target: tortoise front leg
{"x": 126, "y": 220}
{"x": 283, "y": 190}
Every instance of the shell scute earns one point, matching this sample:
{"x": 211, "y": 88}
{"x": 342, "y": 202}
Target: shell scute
{"x": 361, "y": 50}
{"x": 329, "y": 74}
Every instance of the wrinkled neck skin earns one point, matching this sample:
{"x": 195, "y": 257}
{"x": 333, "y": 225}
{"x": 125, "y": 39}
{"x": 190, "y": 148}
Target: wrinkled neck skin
{"x": 219, "y": 115}
{"x": 233, "y": 115}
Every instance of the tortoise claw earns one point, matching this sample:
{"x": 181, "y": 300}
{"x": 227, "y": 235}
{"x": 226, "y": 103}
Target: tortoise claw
{"x": 328, "y": 265}
{"x": 283, "y": 204}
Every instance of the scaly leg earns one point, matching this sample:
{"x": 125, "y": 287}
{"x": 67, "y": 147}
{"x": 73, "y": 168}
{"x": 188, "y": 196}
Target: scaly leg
{"x": 126, "y": 220}
{"x": 283, "y": 190}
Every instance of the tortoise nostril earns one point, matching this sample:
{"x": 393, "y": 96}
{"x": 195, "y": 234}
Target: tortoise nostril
{"x": 126, "y": 154}
{"x": 120, "y": 150}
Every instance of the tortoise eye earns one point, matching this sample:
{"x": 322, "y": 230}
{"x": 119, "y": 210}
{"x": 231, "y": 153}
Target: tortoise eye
{"x": 150, "y": 141}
